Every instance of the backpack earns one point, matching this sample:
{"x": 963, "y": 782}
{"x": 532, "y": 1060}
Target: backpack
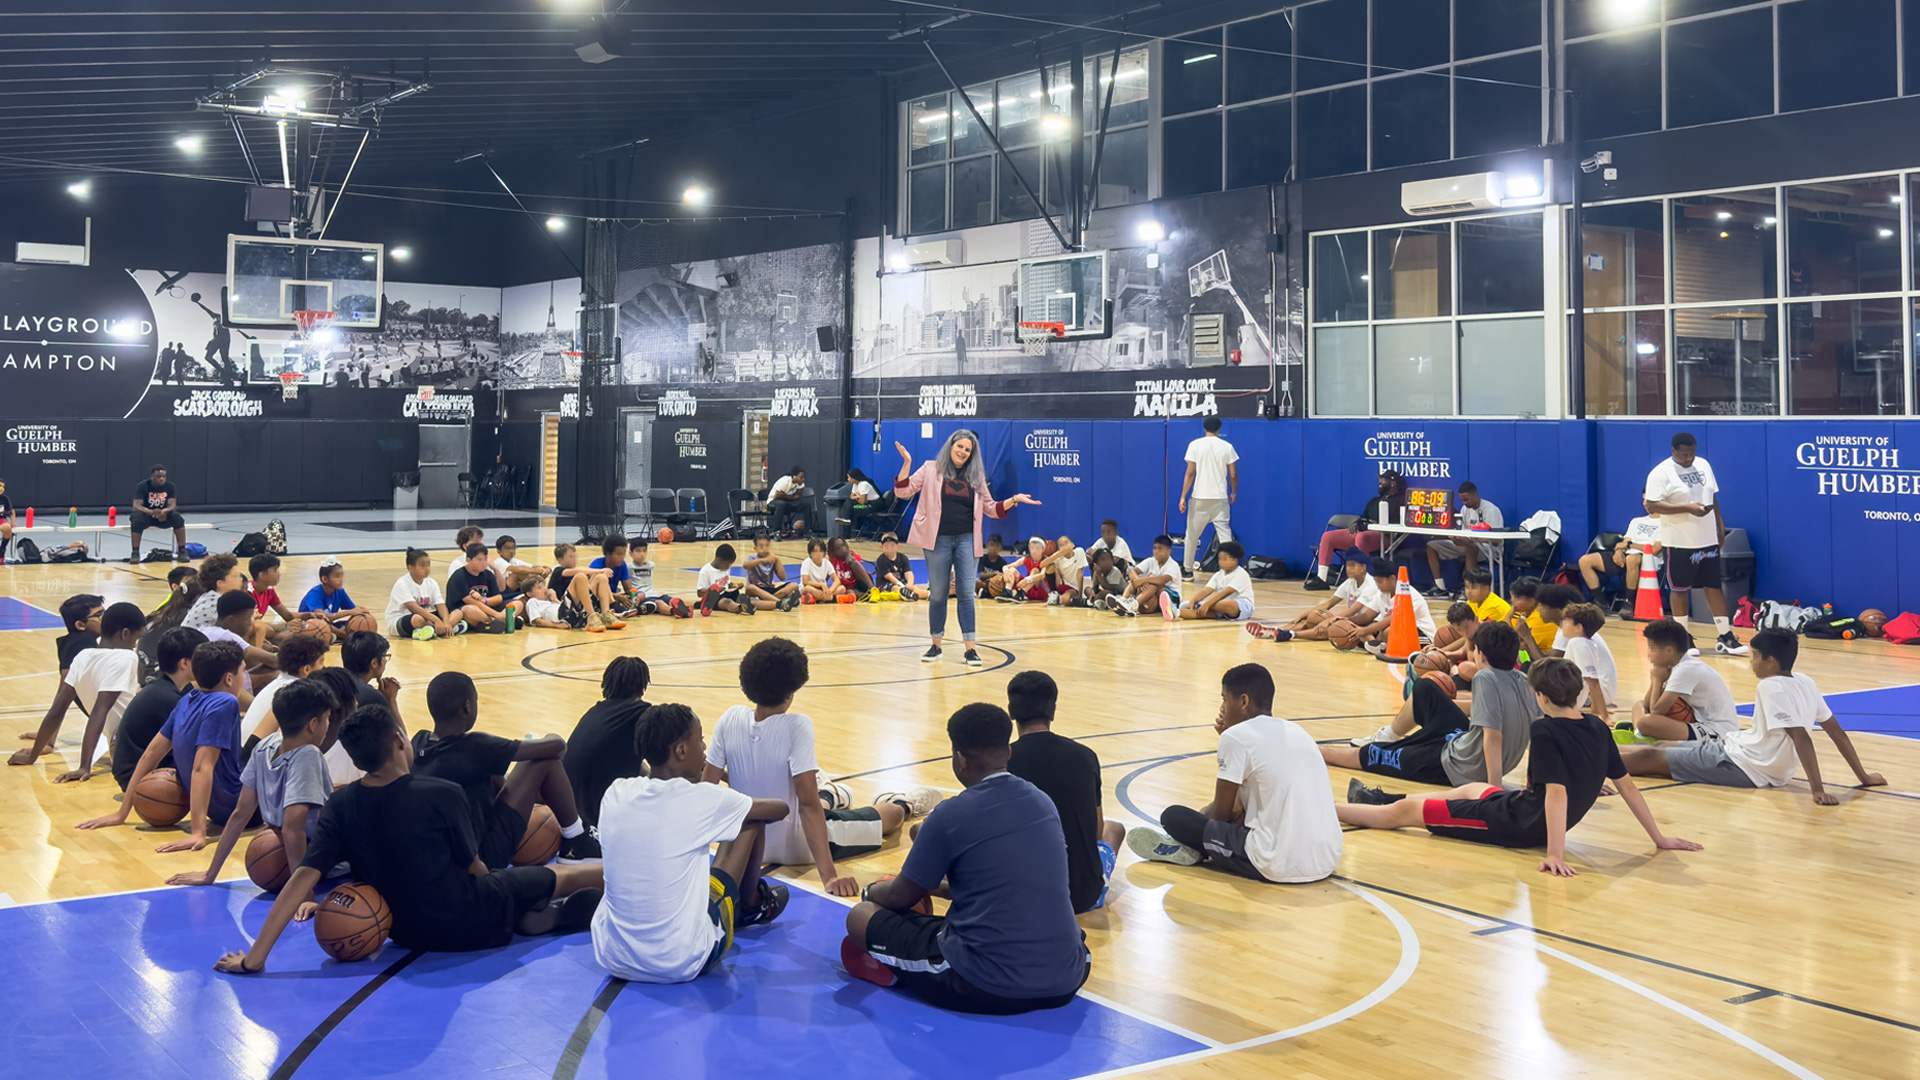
{"x": 1903, "y": 629}
{"x": 195, "y": 551}
{"x": 1265, "y": 567}
{"x": 67, "y": 553}
{"x": 276, "y": 536}
{"x": 1743, "y": 615}
{"x": 26, "y": 551}
{"x": 1773, "y": 615}
{"x": 250, "y": 545}
{"x": 1831, "y": 627}
{"x": 158, "y": 555}
{"x": 1210, "y": 562}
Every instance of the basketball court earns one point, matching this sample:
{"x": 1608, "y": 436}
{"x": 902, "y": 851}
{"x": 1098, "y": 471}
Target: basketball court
{"x": 570, "y": 269}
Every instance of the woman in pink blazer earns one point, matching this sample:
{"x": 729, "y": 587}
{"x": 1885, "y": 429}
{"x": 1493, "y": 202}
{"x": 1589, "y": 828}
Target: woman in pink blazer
{"x": 946, "y": 526}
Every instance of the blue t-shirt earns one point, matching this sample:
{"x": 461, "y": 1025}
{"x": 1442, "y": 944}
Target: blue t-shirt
{"x": 318, "y": 600}
{"x": 619, "y": 575}
{"x": 207, "y": 718}
{"x": 1010, "y": 931}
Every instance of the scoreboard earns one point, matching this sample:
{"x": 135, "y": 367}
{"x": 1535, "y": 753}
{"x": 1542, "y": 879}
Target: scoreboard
{"x": 1431, "y": 509}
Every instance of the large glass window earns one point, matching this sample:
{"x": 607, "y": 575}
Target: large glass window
{"x": 1727, "y": 360}
{"x": 972, "y": 192}
{"x": 1333, "y": 132}
{"x": 1720, "y": 69}
{"x": 1340, "y": 371}
{"x": 1844, "y": 358}
{"x": 1129, "y": 91}
{"x": 1413, "y": 272}
{"x": 1497, "y": 105}
{"x": 1408, "y": 34}
{"x": 1503, "y": 369}
{"x": 1192, "y": 66}
{"x": 1015, "y": 203}
{"x": 1616, "y": 84}
{"x": 927, "y": 200}
{"x": 1333, "y": 43}
{"x": 1259, "y": 144}
{"x": 1843, "y": 237}
{"x": 1501, "y": 266}
{"x": 1021, "y": 106}
{"x": 1260, "y": 58}
{"x": 1626, "y": 256}
{"x": 1123, "y": 168}
{"x": 1586, "y": 17}
{"x": 1410, "y": 120}
{"x": 927, "y": 130}
{"x": 1413, "y": 369}
{"x": 1485, "y": 27}
{"x": 1340, "y": 277}
{"x": 1626, "y": 363}
{"x": 969, "y": 137}
{"x": 1190, "y": 155}
{"x": 1724, "y": 247}
{"x": 1833, "y": 52}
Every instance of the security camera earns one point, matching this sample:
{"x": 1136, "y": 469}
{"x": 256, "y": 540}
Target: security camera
{"x": 1592, "y": 164}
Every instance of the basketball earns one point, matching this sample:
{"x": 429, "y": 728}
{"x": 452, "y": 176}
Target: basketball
{"x": 1681, "y": 711}
{"x": 362, "y": 621}
{"x": 1343, "y": 634}
{"x": 542, "y": 840}
{"x": 924, "y": 907}
{"x": 1447, "y": 635}
{"x": 1430, "y": 660}
{"x": 315, "y": 627}
{"x": 267, "y": 860}
{"x": 1442, "y": 680}
{"x": 1874, "y": 622}
{"x": 352, "y": 923}
{"x": 159, "y": 799}
{"x": 665, "y": 535}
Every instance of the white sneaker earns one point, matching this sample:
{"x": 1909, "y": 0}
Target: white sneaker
{"x": 1053, "y": 599}
{"x": 835, "y": 795}
{"x": 1385, "y": 734}
{"x": 1730, "y": 645}
{"x": 919, "y": 801}
{"x": 1131, "y": 603}
{"x": 1156, "y": 846}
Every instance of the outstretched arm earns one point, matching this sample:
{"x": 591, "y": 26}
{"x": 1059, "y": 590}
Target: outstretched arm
{"x": 813, "y": 825}
{"x": 49, "y": 727}
{"x": 1844, "y": 744}
{"x": 294, "y": 896}
{"x": 1638, "y": 804}
{"x": 150, "y": 759}
{"x": 243, "y": 809}
{"x": 1810, "y": 765}
{"x": 1556, "y": 861}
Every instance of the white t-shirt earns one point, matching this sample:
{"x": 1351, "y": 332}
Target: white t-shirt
{"x": 1210, "y": 455}
{"x": 1596, "y": 662}
{"x": 500, "y": 567}
{"x": 1072, "y": 567}
{"x": 1764, "y": 751}
{"x": 1669, "y": 483}
{"x": 263, "y": 703}
{"x": 821, "y": 572}
{"x": 1119, "y": 548}
{"x": 221, "y": 633}
{"x": 1707, "y": 693}
{"x": 761, "y": 760}
{"x": 341, "y": 767}
{"x": 711, "y": 575}
{"x": 1642, "y": 531}
{"x": 1295, "y": 835}
{"x": 1485, "y": 514}
{"x": 425, "y": 593}
{"x": 543, "y": 609}
{"x": 1150, "y": 567}
{"x": 786, "y": 485}
{"x": 94, "y": 672}
{"x": 1370, "y": 597}
{"x": 861, "y": 487}
{"x": 1349, "y": 589}
{"x": 1237, "y": 582}
{"x": 640, "y": 576}
{"x": 652, "y": 924}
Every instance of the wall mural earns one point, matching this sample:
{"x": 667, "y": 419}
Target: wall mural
{"x": 746, "y": 319}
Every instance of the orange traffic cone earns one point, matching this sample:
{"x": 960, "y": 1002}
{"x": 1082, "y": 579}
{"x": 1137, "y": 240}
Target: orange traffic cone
{"x": 1403, "y": 634}
{"x": 1646, "y": 599}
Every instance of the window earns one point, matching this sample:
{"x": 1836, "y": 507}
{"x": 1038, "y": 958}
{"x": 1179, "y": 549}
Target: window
{"x": 969, "y": 137}
{"x": 1720, "y": 69}
{"x": 1192, "y": 67}
{"x": 1333, "y": 43}
{"x": 1410, "y": 120}
{"x": 927, "y": 131}
{"x": 1020, "y": 109}
{"x": 1503, "y": 370}
{"x": 972, "y": 192}
{"x": 927, "y": 200}
{"x": 1836, "y": 51}
{"x": 1259, "y": 144}
{"x": 1845, "y": 359}
{"x": 1412, "y": 272}
{"x": 1340, "y": 371}
{"x": 1626, "y": 255}
{"x": 1333, "y": 132}
{"x": 1485, "y": 27}
{"x": 1129, "y": 92}
{"x": 1015, "y": 203}
{"x": 1123, "y": 168}
{"x": 1723, "y": 247}
{"x": 1340, "y": 277}
{"x": 1727, "y": 360}
{"x": 1413, "y": 369}
{"x": 1190, "y": 155}
{"x": 1843, "y": 237}
{"x": 1497, "y": 105}
{"x": 1260, "y": 59}
{"x": 1616, "y": 84}
{"x": 1501, "y": 265}
{"x": 1408, "y": 34}
{"x": 1626, "y": 363}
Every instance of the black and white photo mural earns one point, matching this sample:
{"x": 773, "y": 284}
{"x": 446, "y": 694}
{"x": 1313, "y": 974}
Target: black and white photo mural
{"x": 744, "y": 319}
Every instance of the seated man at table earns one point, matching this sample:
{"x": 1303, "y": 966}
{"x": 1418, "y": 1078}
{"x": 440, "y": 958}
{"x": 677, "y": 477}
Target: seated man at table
{"x": 157, "y": 506}
{"x": 1474, "y": 510}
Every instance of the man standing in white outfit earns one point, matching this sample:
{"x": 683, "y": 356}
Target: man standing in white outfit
{"x": 1684, "y": 494}
{"x": 1213, "y": 482}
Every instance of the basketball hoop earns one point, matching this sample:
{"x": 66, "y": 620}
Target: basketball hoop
{"x": 305, "y": 321}
{"x": 1035, "y": 336}
{"x": 289, "y": 386}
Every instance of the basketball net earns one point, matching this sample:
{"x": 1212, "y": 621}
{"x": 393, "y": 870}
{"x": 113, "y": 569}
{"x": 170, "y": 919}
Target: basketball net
{"x": 1035, "y": 336}
{"x": 304, "y": 323}
{"x": 289, "y": 386}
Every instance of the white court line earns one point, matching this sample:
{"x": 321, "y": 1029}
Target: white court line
{"x": 1409, "y": 960}
{"x": 29, "y": 675}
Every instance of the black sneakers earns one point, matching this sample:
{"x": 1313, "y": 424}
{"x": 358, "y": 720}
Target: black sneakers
{"x": 767, "y": 905}
{"x": 973, "y": 658}
{"x": 1360, "y": 793}
{"x": 932, "y": 654}
{"x": 1314, "y": 584}
{"x": 580, "y": 849}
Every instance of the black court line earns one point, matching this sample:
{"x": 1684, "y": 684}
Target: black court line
{"x": 1008, "y": 658}
{"x": 569, "y": 1064}
{"x": 1755, "y": 996}
{"x": 308, "y": 1045}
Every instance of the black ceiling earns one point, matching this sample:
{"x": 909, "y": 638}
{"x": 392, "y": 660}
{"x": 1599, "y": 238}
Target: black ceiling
{"x": 114, "y": 85}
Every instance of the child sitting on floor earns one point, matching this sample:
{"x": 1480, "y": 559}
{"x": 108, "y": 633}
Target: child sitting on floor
{"x": 415, "y": 606}
{"x": 848, "y": 569}
{"x": 1229, "y": 592}
{"x": 586, "y": 598}
{"x": 818, "y": 583}
{"x": 1152, "y": 583}
{"x": 767, "y": 575}
{"x": 990, "y": 578}
{"x": 1676, "y": 678}
{"x": 1106, "y": 581}
{"x": 1580, "y": 642}
{"x": 893, "y": 572}
{"x": 716, "y": 587}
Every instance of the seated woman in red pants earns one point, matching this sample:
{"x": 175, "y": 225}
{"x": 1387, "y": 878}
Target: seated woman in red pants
{"x": 1383, "y": 508}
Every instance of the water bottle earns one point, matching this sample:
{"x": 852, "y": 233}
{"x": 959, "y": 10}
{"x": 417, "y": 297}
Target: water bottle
{"x": 29, "y": 517}
{"x": 113, "y": 516}
{"x": 73, "y": 517}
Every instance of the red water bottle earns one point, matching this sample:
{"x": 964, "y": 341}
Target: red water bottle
{"x": 29, "y": 517}
{"x": 113, "y": 516}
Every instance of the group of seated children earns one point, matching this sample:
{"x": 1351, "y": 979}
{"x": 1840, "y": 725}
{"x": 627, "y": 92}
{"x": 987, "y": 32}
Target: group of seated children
{"x": 1358, "y": 613}
{"x": 1105, "y": 576}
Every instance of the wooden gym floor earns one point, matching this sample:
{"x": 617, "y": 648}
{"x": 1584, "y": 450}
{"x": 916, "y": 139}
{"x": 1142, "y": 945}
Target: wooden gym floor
{"x": 1789, "y": 945}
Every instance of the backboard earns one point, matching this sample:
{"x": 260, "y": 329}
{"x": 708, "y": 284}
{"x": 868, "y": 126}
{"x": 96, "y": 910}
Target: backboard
{"x": 270, "y": 278}
{"x": 1070, "y": 289}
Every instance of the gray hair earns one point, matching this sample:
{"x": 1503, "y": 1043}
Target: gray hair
{"x": 974, "y": 474}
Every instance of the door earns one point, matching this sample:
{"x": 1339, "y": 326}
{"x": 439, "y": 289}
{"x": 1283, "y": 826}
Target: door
{"x": 754, "y": 432}
{"x": 445, "y": 453}
{"x": 549, "y": 461}
{"x": 638, "y": 448}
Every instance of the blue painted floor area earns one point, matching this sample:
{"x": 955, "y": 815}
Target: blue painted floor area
{"x": 1892, "y": 711}
{"x": 120, "y": 982}
{"x": 17, "y": 614}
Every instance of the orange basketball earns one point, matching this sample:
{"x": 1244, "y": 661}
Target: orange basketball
{"x": 315, "y": 627}
{"x": 159, "y": 799}
{"x": 1445, "y": 636}
{"x": 924, "y": 907}
{"x": 542, "y": 839}
{"x": 1681, "y": 711}
{"x": 1343, "y": 634}
{"x": 352, "y": 923}
{"x": 363, "y": 621}
{"x": 665, "y": 535}
{"x": 1430, "y": 660}
{"x": 1052, "y": 546}
{"x": 1874, "y": 622}
{"x": 267, "y": 860}
{"x": 1443, "y": 680}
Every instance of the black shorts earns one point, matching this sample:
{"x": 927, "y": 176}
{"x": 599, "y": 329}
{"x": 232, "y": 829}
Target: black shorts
{"x": 909, "y": 943}
{"x": 1692, "y": 568}
{"x": 853, "y": 832}
{"x": 140, "y": 519}
{"x": 1417, "y": 757}
{"x": 1502, "y": 818}
{"x": 524, "y": 888}
{"x": 505, "y": 828}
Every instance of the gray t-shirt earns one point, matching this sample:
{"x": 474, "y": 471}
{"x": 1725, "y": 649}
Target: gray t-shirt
{"x": 283, "y": 780}
{"x": 1501, "y": 700}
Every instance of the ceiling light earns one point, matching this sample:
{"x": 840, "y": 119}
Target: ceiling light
{"x": 1646, "y": 348}
{"x": 1884, "y": 233}
{"x": 1523, "y": 186}
{"x": 1724, "y": 215}
{"x": 1769, "y": 221}
{"x": 696, "y": 195}
{"x": 1201, "y": 57}
{"x": 1896, "y": 198}
{"x": 555, "y": 224}
{"x": 80, "y": 189}
{"x": 188, "y": 144}
{"x": 1053, "y": 123}
{"x": 898, "y": 263}
{"x": 366, "y": 258}
{"x": 1366, "y": 277}
{"x": 1151, "y": 231}
{"x": 1624, "y": 10}
{"x": 400, "y": 254}
{"x": 1723, "y": 236}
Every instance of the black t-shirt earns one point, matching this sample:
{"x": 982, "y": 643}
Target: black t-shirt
{"x": 558, "y": 582}
{"x": 463, "y": 581}
{"x": 145, "y": 715}
{"x": 148, "y": 497}
{"x": 992, "y": 563}
{"x": 365, "y": 693}
{"x": 68, "y": 646}
{"x": 471, "y": 761}
{"x": 1069, "y": 773}
{"x": 897, "y": 565}
{"x": 6, "y": 507}
{"x": 956, "y": 508}
{"x": 413, "y": 840}
{"x": 1578, "y": 754}
{"x": 600, "y": 751}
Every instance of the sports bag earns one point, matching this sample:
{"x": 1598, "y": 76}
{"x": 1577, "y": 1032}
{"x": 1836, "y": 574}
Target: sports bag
{"x": 1831, "y": 627}
{"x": 276, "y": 534}
{"x": 195, "y": 551}
{"x": 250, "y": 545}
{"x": 66, "y": 553}
{"x": 1774, "y": 615}
{"x": 1265, "y": 567}
{"x": 26, "y": 551}
{"x": 1903, "y": 629}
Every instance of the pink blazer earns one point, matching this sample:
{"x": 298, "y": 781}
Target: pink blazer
{"x": 925, "y": 481}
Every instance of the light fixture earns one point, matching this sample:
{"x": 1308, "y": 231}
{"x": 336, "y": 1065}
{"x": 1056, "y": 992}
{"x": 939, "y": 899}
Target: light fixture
{"x": 1723, "y": 236}
{"x": 1646, "y": 348}
{"x": 556, "y": 224}
{"x": 188, "y": 144}
{"x": 897, "y": 263}
{"x": 366, "y": 258}
{"x": 400, "y": 254}
{"x": 1769, "y": 221}
{"x": 1623, "y": 10}
{"x": 606, "y": 39}
{"x": 1201, "y": 57}
{"x": 1053, "y": 122}
{"x": 1896, "y": 198}
{"x": 1523, "y": 186}
{"x": 80, "y": 189}
{"x": 1150, "y": 231}
{"x": 1884, "y": 233}
{"x": 1724, "y": 215}
{"x": 1366, "y": 277}
{"x": 696, "y": 195}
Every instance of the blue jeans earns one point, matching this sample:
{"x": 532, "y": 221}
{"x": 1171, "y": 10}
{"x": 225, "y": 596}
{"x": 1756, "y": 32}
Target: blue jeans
{"x": 950, "y": 558}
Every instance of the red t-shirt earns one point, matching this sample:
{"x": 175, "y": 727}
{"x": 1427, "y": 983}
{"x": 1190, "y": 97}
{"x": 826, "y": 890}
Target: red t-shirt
{"x": 264, "y": 600}
{"x": 843, "y": 571}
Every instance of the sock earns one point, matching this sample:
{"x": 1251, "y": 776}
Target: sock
{"x": 568, "y": 832}
{"x": 1722, "y": 625}
{"x": 1323, "y": 573}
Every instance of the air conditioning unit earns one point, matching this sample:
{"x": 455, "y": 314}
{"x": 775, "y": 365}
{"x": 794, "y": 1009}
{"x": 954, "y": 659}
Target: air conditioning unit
{"x": 57, "y": 254}
{"x": 1452, "y": 194}
{"x": 937, "y": 253}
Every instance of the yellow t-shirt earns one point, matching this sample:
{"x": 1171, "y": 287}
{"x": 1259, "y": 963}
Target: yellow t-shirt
{"x": 1492, "y": 609}
{"x": 1543, "y": 634}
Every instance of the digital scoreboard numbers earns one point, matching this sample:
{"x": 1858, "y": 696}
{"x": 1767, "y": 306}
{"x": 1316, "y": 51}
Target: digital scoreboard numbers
{"x": 1430, "y": 508}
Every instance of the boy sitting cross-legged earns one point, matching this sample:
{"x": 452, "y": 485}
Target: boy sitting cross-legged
{"x": 818, "y": 582}
{"x": 483, "y": 603}
{"x": 893, "y": 572}
{"x": 415, "y": 607}
{"x": 1272, "y": 815}
{"x": 285, "y": 781}
{"x": 264, "y": 570}
{"x": 1229, "y": 592}
{"x": 329, "y": 602}
{"x": 765, "y": 751}
{"x": 990, "y": 578}
{"x": 586, "y": 597}
{"x": 1008, "y": 943}
{"x": 767, "y": 575}
{"x": 1152, "y": 583}
{"x": 1356, "y": 599}
{"x": 716, "y": 589}
{"x": 1674, "y": 677}
{"x": 1431, "y": 741}
{"x": 671, "y": 907}
{"x": 411, "y": 838}
{"x": 499, "y": 801}
{"x": 1786, "y": 707}
{"x": 1107, "y": 580}
{"x": 1386, "y": 579}
{"x": 1573, "y": 757}
{"x": 105, "y": 677}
